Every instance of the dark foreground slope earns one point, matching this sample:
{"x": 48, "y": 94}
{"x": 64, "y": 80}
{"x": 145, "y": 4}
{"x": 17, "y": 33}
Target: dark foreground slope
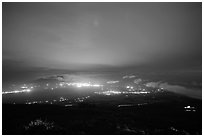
{"x": 89, "y": 118}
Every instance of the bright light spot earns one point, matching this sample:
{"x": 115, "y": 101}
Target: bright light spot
{"x": 24, "y": 87}
{"x": 125, "y": 105}
{"x": 188, "y": 107}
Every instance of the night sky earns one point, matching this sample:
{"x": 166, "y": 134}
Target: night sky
{"x": 77, "y": 36}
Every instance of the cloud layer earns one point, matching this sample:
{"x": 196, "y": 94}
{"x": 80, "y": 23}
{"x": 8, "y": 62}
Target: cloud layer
{"x": 192, "y": 92}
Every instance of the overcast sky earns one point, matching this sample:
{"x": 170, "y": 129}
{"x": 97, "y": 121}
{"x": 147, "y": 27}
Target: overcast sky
{"x": 81, "y": 35}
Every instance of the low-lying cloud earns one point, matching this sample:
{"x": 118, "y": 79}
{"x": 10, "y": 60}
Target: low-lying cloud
{"x": 192, "y": 92}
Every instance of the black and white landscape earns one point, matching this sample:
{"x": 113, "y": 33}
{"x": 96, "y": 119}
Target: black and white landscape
{"x": 102, "y": 68}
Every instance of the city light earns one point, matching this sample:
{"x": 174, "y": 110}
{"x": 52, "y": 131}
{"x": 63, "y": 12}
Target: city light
{"x": 113, "y": 92}
{"x": 60, "y": 100}
{"x": 125, "y": 105}
{"x": 190, "y": 109}
{"x": 79, "y": 85}
{"x": 40, "y": 123}
{"x": 16, "y": 91}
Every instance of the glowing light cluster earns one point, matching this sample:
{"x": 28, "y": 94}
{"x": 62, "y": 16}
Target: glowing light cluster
{"x": 39, "y": 122}
{"x": 109, "y": 92}
{"x": 189, "y": 109}
{"x": 16, "y": 91}
{"x": 129, "y": 105}
{"x": 60, "y": 100}
{"x": 76, "y": 84}
{"x": 135, "y": 92}
{"x": 112, "y": 92}
{"x": 82, "y": 99}
{"x": 129, "y": 87}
